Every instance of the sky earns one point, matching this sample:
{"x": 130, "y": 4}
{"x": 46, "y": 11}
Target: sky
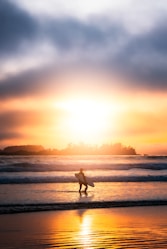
{"x": 84, "y": 71}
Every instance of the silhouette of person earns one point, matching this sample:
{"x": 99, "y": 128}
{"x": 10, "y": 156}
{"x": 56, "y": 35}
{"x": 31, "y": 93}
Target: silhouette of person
{"x": 81, "y": 182}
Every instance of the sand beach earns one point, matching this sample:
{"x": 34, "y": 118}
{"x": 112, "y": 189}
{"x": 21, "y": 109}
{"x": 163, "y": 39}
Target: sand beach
{"x": 123, "y": 227}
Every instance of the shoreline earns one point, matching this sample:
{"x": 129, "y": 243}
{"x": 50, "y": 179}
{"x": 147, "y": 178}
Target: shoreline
{"x": 25, "y": 208}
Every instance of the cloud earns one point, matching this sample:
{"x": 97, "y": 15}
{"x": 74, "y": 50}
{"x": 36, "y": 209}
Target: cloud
{"x": 5, "y": 135}
{"x": 18, "y": 118}
{"x": 76, "y": 45}
{"x": 28, "y": 83}
{"x": 144, "y": 57}
{"x": 16, "y": 27}
{"x": 70, "y": 33}
{"x": 98, "y": 43}
{"x": 10, "y": 125}
{"x": 28, "y": 117}
{"x": 27, "y": 123}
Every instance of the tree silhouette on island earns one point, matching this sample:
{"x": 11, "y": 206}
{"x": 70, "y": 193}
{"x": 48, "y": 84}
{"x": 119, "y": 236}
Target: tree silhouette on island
{"x": 71, "y": 149}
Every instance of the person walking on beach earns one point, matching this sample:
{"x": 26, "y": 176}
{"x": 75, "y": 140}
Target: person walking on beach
{"x": 82, "y": 182}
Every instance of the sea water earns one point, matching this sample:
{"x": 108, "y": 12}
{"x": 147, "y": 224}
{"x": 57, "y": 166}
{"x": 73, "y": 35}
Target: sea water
{"x": 40, "y": 180}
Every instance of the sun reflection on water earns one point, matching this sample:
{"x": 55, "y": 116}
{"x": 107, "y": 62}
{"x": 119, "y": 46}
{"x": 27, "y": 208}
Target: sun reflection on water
{"x": 106, "y": 228}
{"x": 85, "y": 230}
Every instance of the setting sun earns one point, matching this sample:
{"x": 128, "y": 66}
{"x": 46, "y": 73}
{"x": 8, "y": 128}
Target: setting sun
{"x": 87, "y": 119}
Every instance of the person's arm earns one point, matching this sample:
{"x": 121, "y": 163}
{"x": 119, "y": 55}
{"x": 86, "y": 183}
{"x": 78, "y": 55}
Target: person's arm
{"x": 84, "y": 178}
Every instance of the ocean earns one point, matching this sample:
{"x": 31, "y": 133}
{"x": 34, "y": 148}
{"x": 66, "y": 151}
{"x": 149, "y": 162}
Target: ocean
{"x": 32, "y": 183}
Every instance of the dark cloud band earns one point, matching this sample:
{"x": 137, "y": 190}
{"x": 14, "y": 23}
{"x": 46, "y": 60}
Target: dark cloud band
{"x": 102, "y": 43}
{"x": 16, "y": 27}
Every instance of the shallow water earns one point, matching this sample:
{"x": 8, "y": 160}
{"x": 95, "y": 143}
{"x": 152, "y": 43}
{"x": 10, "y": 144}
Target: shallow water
{"x": 140, "y": 227}
{"x": 43, "y": 180}
{"x": 68, "y": 192}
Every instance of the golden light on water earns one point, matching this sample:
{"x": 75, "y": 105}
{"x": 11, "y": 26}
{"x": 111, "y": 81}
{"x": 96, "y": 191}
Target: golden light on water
{"x": 140, "y": 227}
{"x": 86, "y": 231}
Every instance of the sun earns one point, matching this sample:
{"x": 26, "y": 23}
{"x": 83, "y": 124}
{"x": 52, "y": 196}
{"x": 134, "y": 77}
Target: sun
{"x": 86, "y": 119}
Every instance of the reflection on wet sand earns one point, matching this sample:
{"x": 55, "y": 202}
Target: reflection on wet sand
{"x": 85, "y": 196}
{"x": 140, "y": 227}
{"x": 86, "y": 231}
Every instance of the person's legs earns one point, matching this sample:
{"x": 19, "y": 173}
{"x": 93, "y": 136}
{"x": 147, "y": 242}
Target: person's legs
{"x": 86, "y": 187}
{"x": 80, "y": 187}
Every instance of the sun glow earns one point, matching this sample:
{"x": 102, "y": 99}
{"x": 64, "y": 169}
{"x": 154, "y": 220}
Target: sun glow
{"x": 86, "y": 119}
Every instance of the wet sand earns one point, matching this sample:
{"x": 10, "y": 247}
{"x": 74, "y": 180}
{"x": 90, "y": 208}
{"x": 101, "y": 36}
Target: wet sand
{"x": 130, "y": 227}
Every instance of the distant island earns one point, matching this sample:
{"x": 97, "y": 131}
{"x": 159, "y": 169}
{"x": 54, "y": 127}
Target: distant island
{"x": 71, "y": 149}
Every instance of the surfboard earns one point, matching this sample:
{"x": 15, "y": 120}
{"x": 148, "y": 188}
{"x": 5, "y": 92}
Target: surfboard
{"x": 88, "y": 179}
